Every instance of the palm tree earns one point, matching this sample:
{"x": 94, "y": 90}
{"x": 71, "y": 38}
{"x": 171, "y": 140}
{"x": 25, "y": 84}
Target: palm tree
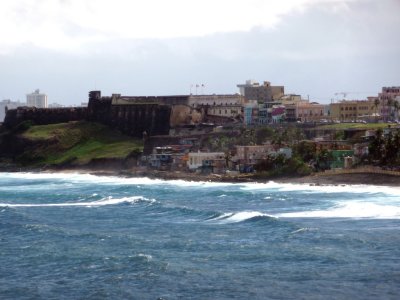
{"x": 390, "y": 104}
{"x": 376, "y": 104}
{"x": 396, "y": 107}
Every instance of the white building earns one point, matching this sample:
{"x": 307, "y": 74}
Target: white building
{"x": 9, "y": 105}
{"x": 36, "y": 99}
{"x": 55, "y": 105}
{"x": 195, "y": 159}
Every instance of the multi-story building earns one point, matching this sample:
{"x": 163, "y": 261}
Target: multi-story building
{"x": 55, "y": 105}
{"x": 250, "y": 113}
{"x": 8, "y": 104}
{"x": 309, "y": 112}
{"x": 262, "y": 114}
{"x": 252, "y": 154}
{"x": 214, "y": 100}
{"x": 36, "y": 99}
{"x": 252, "y": 90}
{"x": 387, "y": 98}
{"x": 228, "y": 106}
{"x": 352, "y": 110}
{"x": 197, "y": 159}
{"x": 278, "y": 114}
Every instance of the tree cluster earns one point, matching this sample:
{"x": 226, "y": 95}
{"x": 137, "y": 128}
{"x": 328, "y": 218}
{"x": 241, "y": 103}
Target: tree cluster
{"x": 385, "y": 149}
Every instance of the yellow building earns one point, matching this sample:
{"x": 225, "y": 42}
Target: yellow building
{"x": 352, "y": 110}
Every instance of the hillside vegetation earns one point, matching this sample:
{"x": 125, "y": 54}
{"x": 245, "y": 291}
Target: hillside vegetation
{"x": 368, "y": 126}
{"x": 74, "y": 143}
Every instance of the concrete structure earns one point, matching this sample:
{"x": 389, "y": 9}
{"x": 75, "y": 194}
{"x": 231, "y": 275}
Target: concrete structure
{"x": 387, "y": 98}
{"x": 250, "y": 155}
{"x": 55, "y": 105}
{"x": 198, "y": 159}
{"x": 252, "y": 90}
{"x": 353, "y": 110}
{"x": 250, "y": 113}
{"x": 223, "y": 106}
{"x": 278, "y": 114}
{"x": 215, "y": 100}
{"x": 309, "y": 112}
{"x": 6, "y": 105}
{"x": 36, "y": 99}
{"x": 262, "y": 114}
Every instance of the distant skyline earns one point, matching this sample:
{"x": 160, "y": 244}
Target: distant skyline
{"x": 315, "y": 48}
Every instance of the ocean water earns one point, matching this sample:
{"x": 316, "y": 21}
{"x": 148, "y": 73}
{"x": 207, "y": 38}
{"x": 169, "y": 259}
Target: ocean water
{"x": 78, "y": 236}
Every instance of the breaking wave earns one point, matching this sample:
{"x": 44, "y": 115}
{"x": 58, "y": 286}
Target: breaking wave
{"x": 103, "y": 202}
{"x": 239, "y": 217}
{"x": 356, "y": 210}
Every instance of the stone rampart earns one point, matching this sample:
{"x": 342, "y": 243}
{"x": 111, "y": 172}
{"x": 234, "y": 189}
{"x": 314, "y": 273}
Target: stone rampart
{"x": 44, "y": 116}
{"x": 130, "y": 115}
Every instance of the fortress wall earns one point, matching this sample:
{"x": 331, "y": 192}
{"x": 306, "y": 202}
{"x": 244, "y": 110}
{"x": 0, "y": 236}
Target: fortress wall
{"x": 131, "y": 115}
{"x": 136, "y": 119}
{"x": 44, "y": 116}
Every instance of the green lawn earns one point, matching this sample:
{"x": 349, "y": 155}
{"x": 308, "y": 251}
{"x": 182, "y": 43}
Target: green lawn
{"x": 77, "y": 142}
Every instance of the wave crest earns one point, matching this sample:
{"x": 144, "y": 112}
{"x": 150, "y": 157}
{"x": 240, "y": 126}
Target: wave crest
{"x": 102, "y": 202}
{"x": 240, "y": 217}
{"x": 356, "y": 210}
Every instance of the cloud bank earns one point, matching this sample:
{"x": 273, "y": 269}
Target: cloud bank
{"x": 313, "y": 47}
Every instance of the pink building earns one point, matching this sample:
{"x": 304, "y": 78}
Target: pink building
{"x": 387, "y": 98}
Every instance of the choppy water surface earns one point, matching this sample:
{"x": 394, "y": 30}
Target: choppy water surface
{"x": 72, "y": 236}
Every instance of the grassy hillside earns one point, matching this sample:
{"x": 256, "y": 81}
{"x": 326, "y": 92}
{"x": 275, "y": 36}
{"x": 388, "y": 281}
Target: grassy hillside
{"x": 75, "y": 143}
{"x": 342, "y": 126}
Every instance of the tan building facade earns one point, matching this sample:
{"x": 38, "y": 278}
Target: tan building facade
{"x": 309, "y": 112}
{"x": 229, "y": 106}
{"x": 252, "y": 90}
{"x": 354, "y": 110}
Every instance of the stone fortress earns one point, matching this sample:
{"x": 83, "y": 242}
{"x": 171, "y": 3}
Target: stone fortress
{"x": 136, "y": 115}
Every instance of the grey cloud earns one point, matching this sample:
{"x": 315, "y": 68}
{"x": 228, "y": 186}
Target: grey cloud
{"x": 317, "y": 52}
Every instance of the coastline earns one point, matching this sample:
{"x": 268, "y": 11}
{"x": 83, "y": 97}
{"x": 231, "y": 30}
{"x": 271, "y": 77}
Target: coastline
{"x": 362, "y": 178}
{"x": 340, "y": 178}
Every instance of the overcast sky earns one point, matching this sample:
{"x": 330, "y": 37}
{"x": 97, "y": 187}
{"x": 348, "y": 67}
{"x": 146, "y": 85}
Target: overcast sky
{"x": 315, "y": 48}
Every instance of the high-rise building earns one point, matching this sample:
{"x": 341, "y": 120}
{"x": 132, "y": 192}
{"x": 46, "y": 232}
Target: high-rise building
{"x": 36, "y": 99}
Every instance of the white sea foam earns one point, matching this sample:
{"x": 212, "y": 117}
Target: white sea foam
{"x": 307, "y": 188}
{"x": 111, "y": 180}
{"x": 103, "y": 202}
{"x": 239, "y": 216}
{"x": 83, "y": 178}
{"x": 355, "y": 209}
{"x": 148, "y": 257}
